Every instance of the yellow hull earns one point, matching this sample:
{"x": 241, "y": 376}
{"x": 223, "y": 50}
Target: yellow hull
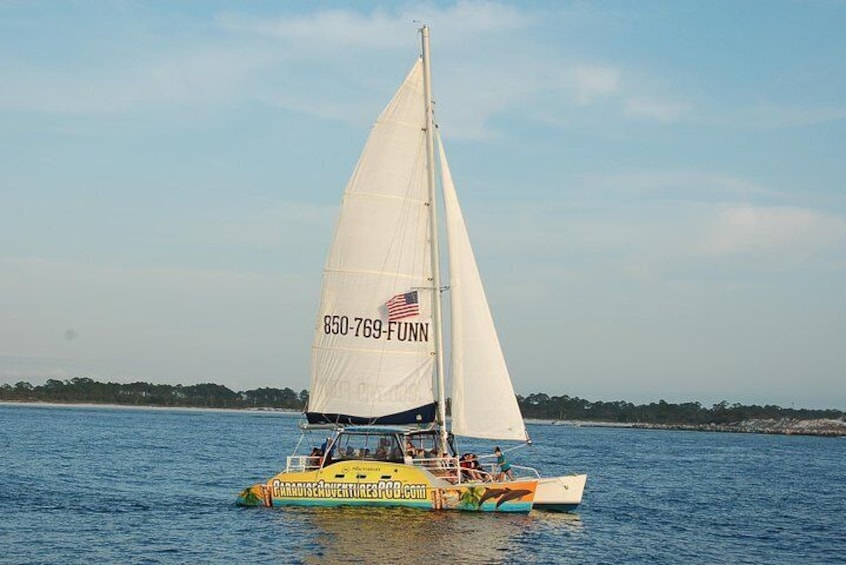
{"x": 379, "y": 483}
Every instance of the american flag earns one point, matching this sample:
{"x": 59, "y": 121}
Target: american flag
{"x": 403, "y": 306}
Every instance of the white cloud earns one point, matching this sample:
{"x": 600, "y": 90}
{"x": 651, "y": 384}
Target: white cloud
{"x": 331, "y": 64}
{"x": 669, "y": 230}
{"x": 209, "y": 74}
{"x": 479, "y": 50}
{"x": 491, "y": 60}
{"x": 322, "y": 33}
{"x": 693, "y": 186}
{"x": 338, "y": 31}
{"x": 778, "y": 116}
{"x": 749, "y": 230}
{"x": 592, "y": 82}
{"x": 644, "y": 108}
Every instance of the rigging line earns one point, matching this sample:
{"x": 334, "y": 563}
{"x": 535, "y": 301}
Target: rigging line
{"x": 297, "y": 448}
{"x": 506, "y": 450}
{"x": 515, "y": 447}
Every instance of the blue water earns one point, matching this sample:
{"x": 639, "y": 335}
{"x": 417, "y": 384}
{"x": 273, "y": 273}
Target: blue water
{"x": 95, "y": 485}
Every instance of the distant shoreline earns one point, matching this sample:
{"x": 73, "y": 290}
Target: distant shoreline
{"x": 114, "y": 406}
{"x": 722, "y": 416}
{"x": 819, "y": 427}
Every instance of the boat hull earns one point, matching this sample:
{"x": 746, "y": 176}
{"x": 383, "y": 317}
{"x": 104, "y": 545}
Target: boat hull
{"x": 383, "y": 484}
{"x": 559, "y": 494}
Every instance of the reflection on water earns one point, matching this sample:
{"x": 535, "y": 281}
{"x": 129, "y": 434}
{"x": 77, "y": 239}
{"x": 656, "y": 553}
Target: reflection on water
{"x": 365, "y": 535}
{"x": 395, "y": 535}
{"x": 560, "y": 521}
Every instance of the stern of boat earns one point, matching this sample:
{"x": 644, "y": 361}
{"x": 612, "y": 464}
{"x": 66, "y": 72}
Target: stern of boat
{"x": 253, "y": 496}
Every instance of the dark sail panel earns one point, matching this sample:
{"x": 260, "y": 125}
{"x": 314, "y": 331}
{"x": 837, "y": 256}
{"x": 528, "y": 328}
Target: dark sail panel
{"x": 422, "y": 415}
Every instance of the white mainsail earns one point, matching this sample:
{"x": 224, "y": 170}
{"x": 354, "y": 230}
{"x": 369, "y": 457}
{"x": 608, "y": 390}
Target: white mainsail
{"x": 364, "y": 365}
{"x": 368, "y": 367}
{"x": 483, "y": 401}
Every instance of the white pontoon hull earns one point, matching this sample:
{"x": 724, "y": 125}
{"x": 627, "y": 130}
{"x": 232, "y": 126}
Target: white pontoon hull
{"x": 559, "y": 494}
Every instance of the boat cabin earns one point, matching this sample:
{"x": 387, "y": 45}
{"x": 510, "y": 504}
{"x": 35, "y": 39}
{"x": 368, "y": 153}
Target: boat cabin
{"x": 395, "y": 444}
{"x": 382, "y": 443}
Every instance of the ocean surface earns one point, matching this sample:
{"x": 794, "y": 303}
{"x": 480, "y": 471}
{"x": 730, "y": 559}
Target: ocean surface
{"x": 117, "y": 485}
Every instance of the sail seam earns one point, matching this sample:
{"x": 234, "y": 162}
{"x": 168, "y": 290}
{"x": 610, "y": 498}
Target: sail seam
{"x": 370, "y": 272}
{"x": 394, "y": 122}
{"x": 383, "y": 196}
{"x": 393, "y": 352}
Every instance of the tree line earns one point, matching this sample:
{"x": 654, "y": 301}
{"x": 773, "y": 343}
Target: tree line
{"x": 537, "y": 405}
{"x": 543, "y": 406}
{"x": 205, "y": 395}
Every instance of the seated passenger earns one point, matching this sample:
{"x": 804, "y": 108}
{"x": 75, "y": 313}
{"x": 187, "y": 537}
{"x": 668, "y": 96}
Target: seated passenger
{"x": 478, "y": 470}
{"x": 432, "y": 458}
{"x": 465, "y": 465}
{"x": 469, "y": 468}
{"x": 313, "y": 461}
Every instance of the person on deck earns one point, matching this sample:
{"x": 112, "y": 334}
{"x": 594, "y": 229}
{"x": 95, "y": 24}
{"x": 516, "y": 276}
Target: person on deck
{"x": 504, "y": 466}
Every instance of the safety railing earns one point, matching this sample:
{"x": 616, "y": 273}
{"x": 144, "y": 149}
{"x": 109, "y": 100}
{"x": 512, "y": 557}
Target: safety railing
{"x": 442, "y": 467}
{"x": 492, "y": 472}
{"x": 298, "y": 463}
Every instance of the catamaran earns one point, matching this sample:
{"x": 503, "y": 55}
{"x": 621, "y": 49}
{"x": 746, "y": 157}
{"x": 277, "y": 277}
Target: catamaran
{"x": 378, "y": 374}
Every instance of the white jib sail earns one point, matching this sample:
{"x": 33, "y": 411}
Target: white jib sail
{"x": 363, "y": 363}
{"x": 483, "y": 401}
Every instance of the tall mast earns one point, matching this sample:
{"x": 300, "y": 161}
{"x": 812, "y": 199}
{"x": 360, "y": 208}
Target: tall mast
{"x": 437, "y": 317}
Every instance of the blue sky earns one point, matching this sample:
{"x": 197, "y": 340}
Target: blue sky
{"x": 655, "y": 190}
